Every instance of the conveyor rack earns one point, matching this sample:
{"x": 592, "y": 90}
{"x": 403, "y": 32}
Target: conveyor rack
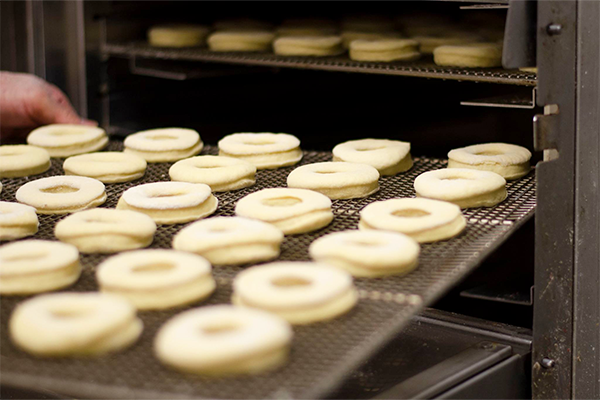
{"x": 424, "y": 68}
{"x": 323, "y": 354}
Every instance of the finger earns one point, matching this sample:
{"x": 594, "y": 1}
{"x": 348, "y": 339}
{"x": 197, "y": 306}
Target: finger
{"x": 49, "y": 110}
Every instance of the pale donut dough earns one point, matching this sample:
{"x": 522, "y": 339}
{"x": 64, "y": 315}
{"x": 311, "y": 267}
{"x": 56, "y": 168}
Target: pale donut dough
{"x": 242, "y": 40}
{"x": 351, "y": 35}
{"x": 22, "y": 160}
{"x": 424, "y": 220}
{"x": 390, "y": 157}
{"x": 230, "y": 240}
{"x": 62, "y": 194}
{"x": 170, "y": 202}
{"x": 17, "y": 221}
{"x": 469, "y": 55}
{"x": 336, "y": 180}
{"x": 467, "y": 188}
{"x": 291, "y": 210}
{"x": 104, "y": 230}
{"x": 164, "y": 144}
{"x": 507, "y": 160}
{"x": 107, "y": 167}
{"x": 367, "y": 254}
{"x": 299, "y": 292}
{"x": 74, "y": 324}
{"x": 34, "y": 266}
{"x": 224, "y": 340}
{"x": 318, "y": 46}
{"x": 157, "y": 279}
{"x": 61, "y": 140}
{"x": 177, "y": 35}
{"x": 221, "y": 173}
{"x": 427, "y": 44}
{"x": 264, "y": 150}
{"x": 384, "y": 50}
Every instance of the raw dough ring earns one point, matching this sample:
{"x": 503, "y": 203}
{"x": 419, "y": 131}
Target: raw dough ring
{"x": 224, "y": 340}
{"x": 388, "y": 156}
{"x": 467, "y": 188}
{"x": 230, "y": 240}
{"x": 17, "y": 221}
{"x": 318, "y": 46}
{"x": 170, "y": 202}
{"x": 349, "y": 36}
{"x": 291, "y": 210}
{"x": 264, "y": 150}
{"x": 22, "y": 160}
{"x": 34, "y": 266}
{"x": 427, "y": 44}
{"x": 157, "y": 279}
{"x": 74, "y": 324}
{"x": 107, "y": 167}
{"x": 164, "y": 145}
{"x": 424, "y": 220}
{"x": 62, "y": 140}
{"x": 62, "y": 194}
{"x": 299, "y": 292}
{"x": 469, "y": 55}
{"x": 385, "y": 50}
{"x": 367, "y": 254}
{"x": 106, "y": 230}
{"x": 336, "y": 180}
{"x": 220, "y": 173}
{"x": 239, "y": 40}
{"x": 177, "y": 35}
{"x": 507, "y": 160}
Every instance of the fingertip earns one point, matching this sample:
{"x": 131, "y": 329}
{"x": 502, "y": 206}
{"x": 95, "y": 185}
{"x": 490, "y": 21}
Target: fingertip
{"x": 88, "y": 122}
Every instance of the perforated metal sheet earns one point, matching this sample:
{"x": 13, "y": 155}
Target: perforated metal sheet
{"x": 323, "y": 354}
{"x": 421, "y": 68}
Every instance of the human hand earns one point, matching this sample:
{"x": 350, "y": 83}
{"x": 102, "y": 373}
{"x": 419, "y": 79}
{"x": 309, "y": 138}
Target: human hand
{"x": 27, "y": 102}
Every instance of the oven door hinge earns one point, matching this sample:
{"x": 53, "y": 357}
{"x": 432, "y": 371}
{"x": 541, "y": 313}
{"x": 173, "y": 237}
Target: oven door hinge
{"x": 545, "y": 129}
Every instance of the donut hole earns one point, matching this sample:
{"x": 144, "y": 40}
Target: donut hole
{"x": 11, "y": 152}
{"x": 290, "y": 281}
{"x": 67, "y": 313}
{"x": 59, "y": 189}
{"x": 96, "y": 220}
{"x": 364, "y": 243}
{"x": 67, "y": 132}
{"x": 410, "y": 213}
{"x": 29, "y": 256}
{"x": 327, "y": 172}
{"x": 154, "y": 267}
{"x": 259, "y": 141}
{"x": 220, "y": 328}
{"x": 220, "y": 229}
{"x": 457, "y": 178}
{"x": 285, "y": 201}
{"x": 370, "y": 148}
{"x": 489, "y": 153}
{"x": 162, "y": 137}
{"x": 172, "y": 194}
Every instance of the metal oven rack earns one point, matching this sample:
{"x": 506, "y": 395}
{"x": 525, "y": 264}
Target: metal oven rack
{"x": 424, "y": 68}
{"x": 323, "y": 354}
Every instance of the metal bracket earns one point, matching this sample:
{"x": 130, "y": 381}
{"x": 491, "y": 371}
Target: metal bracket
{"x": 507, "y": 101}
{"x": 545, "y": 129}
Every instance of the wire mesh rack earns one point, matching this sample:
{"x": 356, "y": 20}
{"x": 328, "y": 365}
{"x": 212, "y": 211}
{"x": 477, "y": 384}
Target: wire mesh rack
{"x": 424, "y": 68}
{"x": 323, "y": 354}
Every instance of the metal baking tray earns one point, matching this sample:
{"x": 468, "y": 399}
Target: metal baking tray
{"x": 323, "y": 354}
{"x": 424, "y": 68}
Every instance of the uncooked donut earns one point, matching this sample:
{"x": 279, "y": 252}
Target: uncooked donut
{"x": 177, "y": 35}
{"x": 157, "y": 279}
{"x": 424, "y": 220}
{"x": 220, "y": 173}
{"x": 230, "y": 240}
{"x": 467, "y": 188}
{"x": 299, "y": 292}
{"x": 34, "y": 266}
{"x": 164, "y": 145}
{"x": 336, "y": 180}
{"x": 107, "y": 167}
{"x": 62, "y": 140}
{"x": 264, "y": 150}
{"x": 170, "y": 202}
{"x": 384, "y": 50}
{"x": 367, "y": 254}
{"x": 22, "y": 160}
{"x": 469, "y": 55}
{"x": 427, "y": 44}
{"x": 349, "y": 36}
{"x": 291, "y": 210}
{"x": 388, "y": 156}
{"x": 62, "y": 194}
{"x": 17, "y": 221}
{"x": 507, "y": 160}
{"x": 104, "y": 230}
{"x": 317, "y": 46}
{"x": 74, "y": 324}
{"x": 242, "y": 40}
{"x": 224, "y": 340}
